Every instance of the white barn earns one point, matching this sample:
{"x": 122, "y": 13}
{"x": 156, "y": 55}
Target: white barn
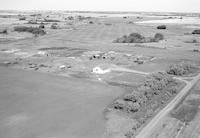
{"x": 98, "y": 70}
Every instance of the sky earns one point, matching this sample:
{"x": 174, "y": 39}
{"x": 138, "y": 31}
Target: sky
{"x": 103, "y": 5}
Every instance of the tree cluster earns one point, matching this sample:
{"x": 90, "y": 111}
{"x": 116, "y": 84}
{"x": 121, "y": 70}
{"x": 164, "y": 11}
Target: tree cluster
{"x": 138, "y": 38}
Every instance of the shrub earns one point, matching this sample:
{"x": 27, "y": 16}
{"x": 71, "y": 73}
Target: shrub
{"x": 141, "y": 120}
{"x": 42, "y": 26}
{"x": 91, "y": 22}
{"x": 196, "y": 50}
{"x": 121, "y": 39}
{"x": 176, "y": 70}
{"x": 172, "y": 90}
{"x": 33, "y": 30}
{"x": 155, "y": 83}
{"x": 141, "y": 99}
{"x": 158, "y": 37}
{"x": 4, "y": 31}
{"x": 196, "y": 32}
{"x": 129, "y": 134}
{"x": 132, "y": 38}
{"x": 119, "y": 104}
{"x": 135, "y": 97}
{"x": 132, "y": 107}
{"x": 32, "y": 22}
{"x": 194, "y": 41}
{"x": 130, "y": 97}
{"x": 181, "y": 69}
{"x": 22, "y": 18}
{"x": 135, "y": 38}
{"x": 191, "y": 41}
{"x": 161, "y": 27}
{"x": 148, "y": 94}
{"x": 70, "y": 18}
{"x": 158, "y": 81}
{"x": 138, "y": 38}
{"x": 149, "y": 113}
{"x": 54, "y": 26}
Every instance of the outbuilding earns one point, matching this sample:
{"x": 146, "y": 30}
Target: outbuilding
{"x": 99, "y": 70}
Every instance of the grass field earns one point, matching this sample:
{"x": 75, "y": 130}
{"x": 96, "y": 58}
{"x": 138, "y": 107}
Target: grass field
{"x": 82, "y": 93}
{"x": 42, "y": 105}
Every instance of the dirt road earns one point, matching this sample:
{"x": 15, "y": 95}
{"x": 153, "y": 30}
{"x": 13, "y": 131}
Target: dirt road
{"x": 121, "y": 69}
{"x": 146, "y": 131}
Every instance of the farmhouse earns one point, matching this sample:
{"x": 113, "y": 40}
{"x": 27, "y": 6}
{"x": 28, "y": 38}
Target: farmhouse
{"x": 99, "y": 70}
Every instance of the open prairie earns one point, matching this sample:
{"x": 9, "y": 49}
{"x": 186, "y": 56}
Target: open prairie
{"x": 75, "y": 75}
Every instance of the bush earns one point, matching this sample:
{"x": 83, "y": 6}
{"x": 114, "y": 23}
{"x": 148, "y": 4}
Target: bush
{"x": 138, "y": 38}
{"x": 129, "y": 134}
{"x": 54, "y": 26}
{"x": 33, "y": 30}
{"x": 4, "y": 31}
{"x": 42, "y": 26}
{"x": 135, "y": 38}
{"x": 191, "y": 41}
{"x": 196, "y": 32}
{"x": 119, "y": 104}
{"x": 161, "y": 27}
{"x": 32, "y": 22}
{"x": 181, "y": 69}
{"x": 121, "y": 39}
{"x": 91, "y": 22}
{"x": 70, "y": 18}
{"x": 132, "y": 38}
{"x": 158, "y": 81}
{"x": 172, "y": 90}
{"x": 132, "y": 107}
{"x": 135, "y": 97}
{"x": 196, "y": 50}
{"x": 158, "y": 37}
{"x": 130, "y": 97}
{"x": 22, "y": 18}
{"x": 149, "y": 113}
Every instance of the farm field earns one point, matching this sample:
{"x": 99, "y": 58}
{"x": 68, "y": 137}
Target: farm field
{"x": 78, "y": 69}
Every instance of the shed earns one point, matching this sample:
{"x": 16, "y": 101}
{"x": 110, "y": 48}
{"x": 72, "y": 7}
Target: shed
{"x": 99, "y": 70}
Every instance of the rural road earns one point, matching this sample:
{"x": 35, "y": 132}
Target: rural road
{"x": 117, "y": 68}
{"x": 146, "y": 131}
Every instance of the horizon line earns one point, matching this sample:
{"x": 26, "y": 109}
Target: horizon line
{"x": 101, "y": 11}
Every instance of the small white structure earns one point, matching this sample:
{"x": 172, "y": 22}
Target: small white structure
{"x": 98, "y": 70}
{"x": 41, "y": 52}
{"x": 62, "y": 67}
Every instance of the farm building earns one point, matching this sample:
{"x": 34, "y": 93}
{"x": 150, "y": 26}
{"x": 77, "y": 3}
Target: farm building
{"x": 99, "y": 70}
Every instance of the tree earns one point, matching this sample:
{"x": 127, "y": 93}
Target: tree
{"x": 132, "y": 107}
